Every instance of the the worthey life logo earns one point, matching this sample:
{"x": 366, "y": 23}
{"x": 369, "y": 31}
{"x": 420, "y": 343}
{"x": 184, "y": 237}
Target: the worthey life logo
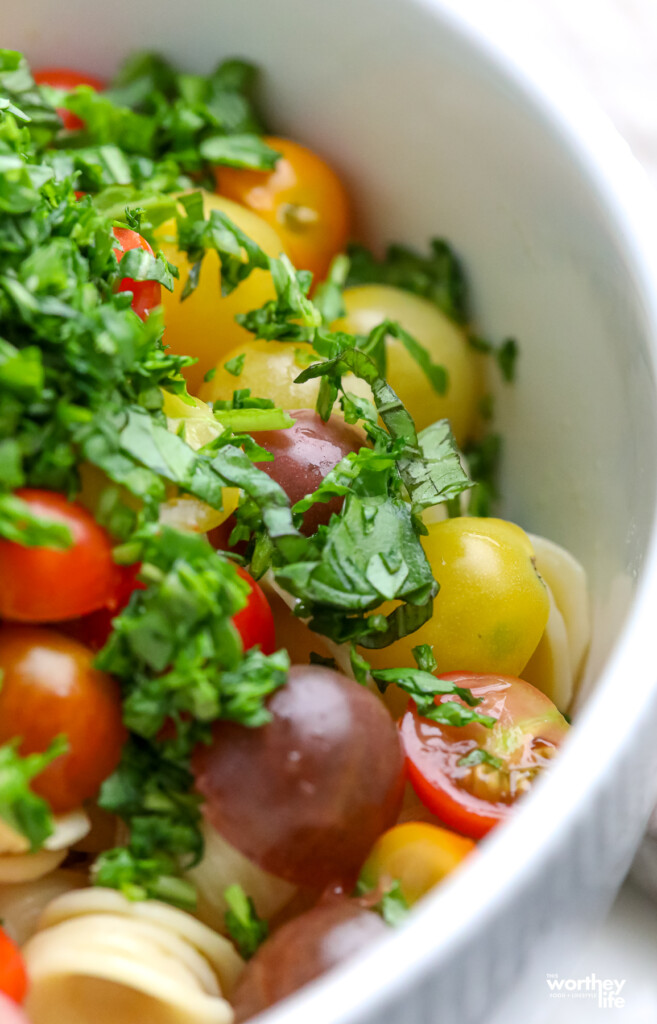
{"x": 606, "y": 991}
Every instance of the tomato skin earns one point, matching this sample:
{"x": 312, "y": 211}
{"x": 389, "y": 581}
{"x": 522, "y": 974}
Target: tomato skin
{"x": 302, "y": 198}
{"x": 255, "y": 622}
{"x": 146, "y": 295}
{"x": 50, "y": 688}
{"x": 49, "y": 585}
{"x": 66, "y": 78}
{"x": 13, "y": 977}
{"x": 94, "y": 630}
{"x": 528, "y": 731}
{"x": 415, "y": 854}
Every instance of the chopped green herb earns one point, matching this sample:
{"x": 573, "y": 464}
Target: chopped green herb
{"x": 247, "y": 930}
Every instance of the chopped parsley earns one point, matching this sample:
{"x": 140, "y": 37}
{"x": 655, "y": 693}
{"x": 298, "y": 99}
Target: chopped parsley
{"x": 246, "y": 929}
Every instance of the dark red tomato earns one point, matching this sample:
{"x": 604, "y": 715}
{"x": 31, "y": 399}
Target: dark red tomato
{"x": 93, "y": 630}
{"x": 306, "y": 795}
{"x": 13, "y": 979}
{"x": 303, "y": 949}
{"x": 255, "y": 622}
{"x": 50, "y": 688}
{"x": 65, "y": 78}
{"x": 303, "y": 455}
{"x": 472, "y": 798}
{"x": 49, "y": 584}
{"x": 146, "y": 295}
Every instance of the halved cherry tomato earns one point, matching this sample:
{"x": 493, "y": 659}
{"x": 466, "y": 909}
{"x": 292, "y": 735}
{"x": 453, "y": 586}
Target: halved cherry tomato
{"x": 13, "y": 978}
{"x": 302, "y": 198}
{"x": 255, "y": 622}
{"x": 473, "y": 795}
{"x": 48, "y": 584}
{"x": 145, "y": 294}
{"x": 50, "y": 688}
{"x": 66, "y": 78}
{"x": 416, "y": 855}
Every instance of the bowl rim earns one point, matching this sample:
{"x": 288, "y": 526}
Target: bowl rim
{"x": 515, "y": 853}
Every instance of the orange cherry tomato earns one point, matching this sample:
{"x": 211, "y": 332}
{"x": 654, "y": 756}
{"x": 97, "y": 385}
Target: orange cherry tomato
{"x": 51, "y": 584}
{"x": 471, "y": 776}
{"x": 13, "y": 979}
{"x": 50, "y": 688}
{"x": 66, "y": 78}
{"x": 145, "y": 294}
{"x": 415, "y": 854}
{"x": 302, "y": 198}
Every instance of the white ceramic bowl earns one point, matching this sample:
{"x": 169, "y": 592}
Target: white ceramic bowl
{"x": 437, "y": 132}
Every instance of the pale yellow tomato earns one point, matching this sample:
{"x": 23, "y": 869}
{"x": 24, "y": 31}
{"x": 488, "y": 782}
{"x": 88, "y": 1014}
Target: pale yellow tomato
{"x": 269, "y": 370}
{"x": 492, "y": 606}
{"x": 204, "y": 324}
{"x": 446, "y": 343}
{"x": 416, "y": 855}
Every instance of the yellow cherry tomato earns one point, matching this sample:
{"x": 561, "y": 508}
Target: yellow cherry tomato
{"x": 204, "y": 324}
{"x": 415, "y": 854}
{"x": 269, "y": 370}
{"x": 492, "y": 606}
{"x": 302, "y": 198}
{"x": 446, "y": 343}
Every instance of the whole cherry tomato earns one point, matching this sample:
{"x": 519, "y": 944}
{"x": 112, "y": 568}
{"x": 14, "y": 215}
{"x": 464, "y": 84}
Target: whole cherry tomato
{"x": 66, "y": 78}
{"x": 302, "y": 198}
{"x": 13, "y": 979}
{"x": 145, "y": 294}
{"x": 93, "y": 630}
{"x": 255, "y": 622}
{"x": 51, "y": 584}
{"x": 50, "y": 688}
{"x": 471, "y": 776}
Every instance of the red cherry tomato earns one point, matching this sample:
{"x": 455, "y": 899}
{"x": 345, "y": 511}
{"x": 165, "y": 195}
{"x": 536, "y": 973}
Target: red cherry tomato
{"x": 145, "y": 294}
{"x": 49, "y": 584}
{"x": 502, "y": 762}
{"x": 65, "y": 78}
{"x": 255, "y": 622}
{"x": 93, "y": 630}
{"x": 50, "y": 688}
{"x": 13, "y": 979}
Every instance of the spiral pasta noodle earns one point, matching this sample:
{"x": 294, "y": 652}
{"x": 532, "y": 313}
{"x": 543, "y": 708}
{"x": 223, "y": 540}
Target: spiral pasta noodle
{"x": 100, "y": 957}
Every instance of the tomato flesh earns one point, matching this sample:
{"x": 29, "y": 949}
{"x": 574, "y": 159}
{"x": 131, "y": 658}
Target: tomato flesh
{"x": 66, "y": 78}
{"x": 50, "y": 688}
{"x": 473, "y": 798}
{"x": 13, "y": 978}
{"x": 48, "y": 584}
{"x": 146, "y": 295}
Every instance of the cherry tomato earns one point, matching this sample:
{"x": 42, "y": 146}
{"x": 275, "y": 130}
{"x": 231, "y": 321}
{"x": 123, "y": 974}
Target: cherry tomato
{"x": 445, "y": 342}
{"x": 48, "y": 584}
{"x": 13, "y": 979}
{"x": 302, "y": 950}
{"x": 306, "y": 795}
{"x": 66, "y": 78}
{"x": 416, "y": 855}
{"x": 145, "y": 294}
{"x": 204, "y": 325}
{"x": 302, "y": 198}
{"x": 492, "y": 606}
{"x": 269, "y": 369}
{"x": 255, "y": 622}
{"x": 50, "y": 688}
{"x": 94, "y": 630}
{"x": 474, "y": 797}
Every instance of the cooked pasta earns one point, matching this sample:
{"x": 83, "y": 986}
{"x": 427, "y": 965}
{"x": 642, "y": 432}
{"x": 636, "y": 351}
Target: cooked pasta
{"x": 222, "y": 866}
{"x": 22, "y": 904}
{"x": 17, "y": 864}
{"x": 97, "y": 956}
